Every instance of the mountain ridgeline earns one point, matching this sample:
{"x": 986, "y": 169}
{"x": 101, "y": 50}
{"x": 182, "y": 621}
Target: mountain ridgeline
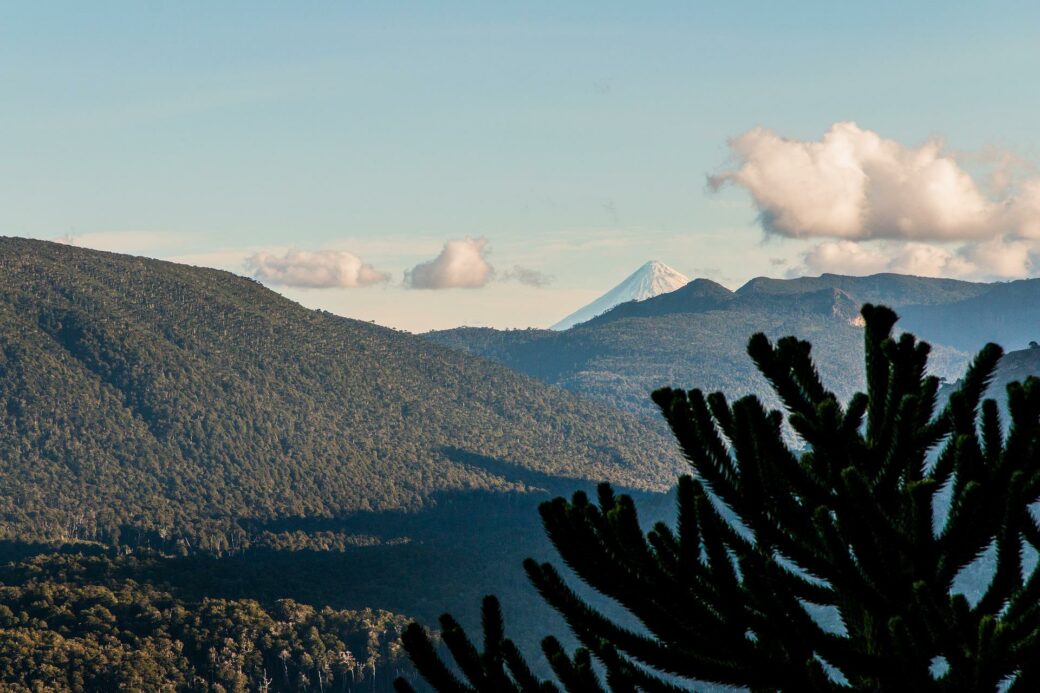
{"x": 695, "y": 336}
{"x": 145, "y": 398}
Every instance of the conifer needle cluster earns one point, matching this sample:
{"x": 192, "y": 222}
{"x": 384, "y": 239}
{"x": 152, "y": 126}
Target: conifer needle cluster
{"x": 886, "y": 500}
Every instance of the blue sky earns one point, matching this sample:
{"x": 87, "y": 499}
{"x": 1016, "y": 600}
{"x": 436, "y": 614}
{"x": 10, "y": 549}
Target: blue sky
{"x": 576, "y": 138}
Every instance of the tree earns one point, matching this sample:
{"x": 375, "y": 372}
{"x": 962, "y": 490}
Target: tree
{"x": 855, "y": 521}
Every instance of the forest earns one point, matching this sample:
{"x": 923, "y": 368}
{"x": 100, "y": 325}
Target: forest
{"x": 209, "y": 486}
{"x": 154, "y": 403}
{"x": 76, "y": 622}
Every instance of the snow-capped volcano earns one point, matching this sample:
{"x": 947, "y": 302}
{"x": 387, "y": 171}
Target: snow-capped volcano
{"x": 652, "y": 279}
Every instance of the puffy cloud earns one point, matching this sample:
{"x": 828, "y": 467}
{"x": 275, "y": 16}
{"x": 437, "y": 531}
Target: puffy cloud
{"x": 461, "y": 264}
{"x": 890, "y": 207}
{"x": 528, "y": 276}
{"x": 319, "y": 269}
{"x": 1000, "y": 258}
{"x": 856, "y": 185}
{"x": 845, "y": 257}
{"x": 996, "y": 259}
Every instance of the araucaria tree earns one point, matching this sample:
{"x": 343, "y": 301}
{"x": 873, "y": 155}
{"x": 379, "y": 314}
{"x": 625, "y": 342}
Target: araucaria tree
{"x": 885, "y": 501}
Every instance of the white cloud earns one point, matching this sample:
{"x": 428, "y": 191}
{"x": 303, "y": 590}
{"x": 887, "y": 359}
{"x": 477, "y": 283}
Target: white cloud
{"x": 890, "y": 207}
{"x": 321, "y": 269}
{"x": 528, "y": 276}
{"x": 461, "y": 264}
{"x": 990, "y": 260}
{"x": 856, "y": 185}
{"x": 845, "y": 257}
{"x": 1000, "y": 258}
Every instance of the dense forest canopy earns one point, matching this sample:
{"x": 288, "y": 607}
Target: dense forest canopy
{"x": 79, "y": 623}
{"x": 142, "y": 395}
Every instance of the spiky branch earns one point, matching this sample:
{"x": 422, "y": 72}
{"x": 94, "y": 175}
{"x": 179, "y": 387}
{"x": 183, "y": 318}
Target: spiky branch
{"x": 848, "y": 523}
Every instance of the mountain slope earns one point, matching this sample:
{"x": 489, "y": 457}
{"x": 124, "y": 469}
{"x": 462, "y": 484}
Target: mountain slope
{"x": 697, "y": 296}
{"x": 696, "y": 336}
{"x": 622, "y": 360}
{"x": 1008, "y": 313}
{"x": 145, "y": 395}
{"x": 1015, "y": 366}
{"x": 652, "y": 279}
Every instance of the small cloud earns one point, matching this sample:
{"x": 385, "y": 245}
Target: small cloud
{"x": 530, "y": 277}
{"x": 462, "y": 264}
{"x": 777, "y": 261}
{"x": 320, "y": 269}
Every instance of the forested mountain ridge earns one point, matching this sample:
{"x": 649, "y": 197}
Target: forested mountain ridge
{"x": 142, "y": 395}
{"x": 620, "y": 360}
{"x": 695, "y": 336}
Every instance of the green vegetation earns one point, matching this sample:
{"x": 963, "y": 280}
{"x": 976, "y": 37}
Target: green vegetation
{"x": 190, "y": 450}
{"x": 70, "y": 623}
{"x": 767, "y": 539}
{"x": 153, "y": 403}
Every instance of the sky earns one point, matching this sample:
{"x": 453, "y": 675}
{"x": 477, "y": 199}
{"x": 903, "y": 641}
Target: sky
{"x": 427, "y": 165}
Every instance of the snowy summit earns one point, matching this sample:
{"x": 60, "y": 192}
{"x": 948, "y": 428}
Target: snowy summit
{"x": 652, "y": 279}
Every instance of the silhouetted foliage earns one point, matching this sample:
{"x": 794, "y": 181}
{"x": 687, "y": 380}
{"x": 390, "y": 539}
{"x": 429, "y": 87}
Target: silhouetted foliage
{"x": 870, "y": 523}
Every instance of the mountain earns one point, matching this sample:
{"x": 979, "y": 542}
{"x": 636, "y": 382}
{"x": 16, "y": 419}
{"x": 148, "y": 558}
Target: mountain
{"x": 696, "y": 296}
{"x": 1015, "y": 366}
{"x": 652, "y": 279}
{"x": 621, "y": 360}
{"x": 1007, "y": 313}
{"x": 192, "y": 404}
{"x": 892, "y": 290}
{"x": 695, "y": 336}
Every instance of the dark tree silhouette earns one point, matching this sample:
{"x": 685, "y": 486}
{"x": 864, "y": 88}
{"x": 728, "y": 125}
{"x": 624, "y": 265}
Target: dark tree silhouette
{"x": 854, "y": 521}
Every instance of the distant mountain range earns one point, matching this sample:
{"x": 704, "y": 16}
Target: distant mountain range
{"x": 652, "y": 279}
{"x": 695, "y": 336}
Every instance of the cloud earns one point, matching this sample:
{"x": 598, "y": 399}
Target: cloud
{"x": 845, "y": 257}
{"x": 320, "y": 269}
{"x": 530, "y": 277}
{"x": 461, "y": 264}
{"x": 989, "y": 260}
{"x": 889, "y": 207}
{"x": 854, "y": 184}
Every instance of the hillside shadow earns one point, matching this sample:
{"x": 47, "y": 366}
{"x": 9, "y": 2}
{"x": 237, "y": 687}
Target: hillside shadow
{"x": 463, "y": 545}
